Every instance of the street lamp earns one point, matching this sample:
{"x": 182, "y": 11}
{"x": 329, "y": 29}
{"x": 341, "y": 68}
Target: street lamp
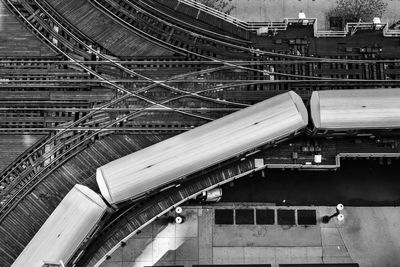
{"x": 178, "y": 217}
{"x": 337, "y": 214}
{"x": 178, "y": 210}
{"x": 179, "y": 220}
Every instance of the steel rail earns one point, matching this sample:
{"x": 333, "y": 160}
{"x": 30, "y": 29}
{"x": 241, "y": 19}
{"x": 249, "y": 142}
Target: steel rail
{"x": 111, "y": 60}
{"x": 251, "y": 50}
{"x": 59, "y": 134}
{"x": 202, "y": 62}
{"x": 190, "y": 26}
{"x": 92, "y": 72}
{"x": 157, "y": 41}
{"x": 96, "y": 110}
{"x": 322, "y": 79}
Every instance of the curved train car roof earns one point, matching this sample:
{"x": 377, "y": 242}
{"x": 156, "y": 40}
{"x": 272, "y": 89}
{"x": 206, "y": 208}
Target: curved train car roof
{"x": 356, "y": 109}
{"x": 201, "y": 147}
{"x": 65, "y": 229}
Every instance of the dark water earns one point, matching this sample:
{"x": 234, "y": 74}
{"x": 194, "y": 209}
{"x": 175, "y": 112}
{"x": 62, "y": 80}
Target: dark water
{"x": 357, "y": 183}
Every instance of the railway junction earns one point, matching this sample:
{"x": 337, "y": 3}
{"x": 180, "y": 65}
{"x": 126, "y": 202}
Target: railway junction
{"x": 119, "y": 120}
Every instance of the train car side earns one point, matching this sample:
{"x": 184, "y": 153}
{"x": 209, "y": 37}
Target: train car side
{"x": 175, "y": 158}
{"x": 74, "y": 219}
{"x": 355, "y": 112}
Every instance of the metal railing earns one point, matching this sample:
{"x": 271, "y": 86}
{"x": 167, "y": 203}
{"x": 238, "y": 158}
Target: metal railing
{"x": 391, "y": 32}
{"x": 336, "y": 164}
{"x": 350, "y": 27}
{"x": 219, "y": 14}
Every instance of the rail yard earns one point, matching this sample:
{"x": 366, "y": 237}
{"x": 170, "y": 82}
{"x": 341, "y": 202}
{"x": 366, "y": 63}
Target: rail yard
{"x": 144, "y": 106}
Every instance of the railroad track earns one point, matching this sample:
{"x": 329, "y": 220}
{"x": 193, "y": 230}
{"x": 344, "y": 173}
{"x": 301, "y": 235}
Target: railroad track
{"x": 92, "y": 125}
{"x": 183, "y": 84}
{"x": 128, "y": 222}
{"x": 278, "y": 73}
{"x": 172, "y": 35}
{"x": 96, "y": 130}
{"x": 98, "y": 54}
{"x": 65, "y": 31}
{"x": 13, "y": 193}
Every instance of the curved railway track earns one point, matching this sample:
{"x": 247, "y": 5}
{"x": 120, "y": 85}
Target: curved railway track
{"x": 108, "y": 82}
{"x": 87, "y": 48}
{"x": 108, "y": 59}
{"x": 172, "y": 88}
{"x": 131, "y": 220}
{"x": 23, "y": 185}
{"x": 72, "y": 138}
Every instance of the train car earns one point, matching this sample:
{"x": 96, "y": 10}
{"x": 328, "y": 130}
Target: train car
{"x": 162, "y": 164}
{"x": 74, "y": 219}
{"x": 363, "y": 112}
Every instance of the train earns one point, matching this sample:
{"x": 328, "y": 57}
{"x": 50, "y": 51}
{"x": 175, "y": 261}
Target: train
{"x": 73, "y": 221}
{"x": 341, "y": 112}
{"x": 366, "y": 112}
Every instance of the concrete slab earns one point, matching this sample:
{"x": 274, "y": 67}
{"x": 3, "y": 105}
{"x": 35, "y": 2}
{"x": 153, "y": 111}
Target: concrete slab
{"x": 283, "y": 255}
{"x": 205, "y": 255}
{"x": 112, "y": 264}
{"x": 190, "y": 227}
{"x": 372, "y": 235}
{"x": 299, "y": 260}
{"x": 137, "y": 264}
{"x": 368, "y": 236}
{"x": 205, "y": 226}
{"x": 332, "y": 259}
{"x": 228, "y": 255}
{"x": 259, "y": 252}
{"x": 162, "y": 228}
{"x": 314, "y": 252}
{"x": 336, "y": 251}
{"x": 260, "y": 260}
{"x": 259, "y": 255}
{"x": 314, "y": 260}
{"x": 164, "y": 249}
{"x": 169, "y": 263}
{"x": 188, "y": 250}
{"x": 260, "y": 235}
{"x": 298, "y": 252}
{"x": 331, "y": 236}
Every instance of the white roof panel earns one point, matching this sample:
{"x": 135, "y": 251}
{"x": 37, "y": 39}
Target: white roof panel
{"x": 201, "y": 147}
{"x": 356, "y": 109}
{"x": 65, "y": 229}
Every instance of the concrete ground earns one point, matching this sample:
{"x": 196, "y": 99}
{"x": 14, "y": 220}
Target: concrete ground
{"x": 369, "y": 236}
{"x": 276, "y": 10}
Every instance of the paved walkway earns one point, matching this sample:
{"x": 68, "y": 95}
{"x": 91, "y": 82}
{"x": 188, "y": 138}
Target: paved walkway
{"x": 276, "y": 10}
{"x": 368, "y": 236}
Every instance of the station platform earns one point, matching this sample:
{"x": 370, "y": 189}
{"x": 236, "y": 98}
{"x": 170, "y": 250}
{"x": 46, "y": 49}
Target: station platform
{"x": 368, "y": 236}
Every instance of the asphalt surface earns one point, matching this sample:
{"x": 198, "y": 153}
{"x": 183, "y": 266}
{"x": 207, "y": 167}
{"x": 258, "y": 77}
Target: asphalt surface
{"x": 357, "y": 183}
